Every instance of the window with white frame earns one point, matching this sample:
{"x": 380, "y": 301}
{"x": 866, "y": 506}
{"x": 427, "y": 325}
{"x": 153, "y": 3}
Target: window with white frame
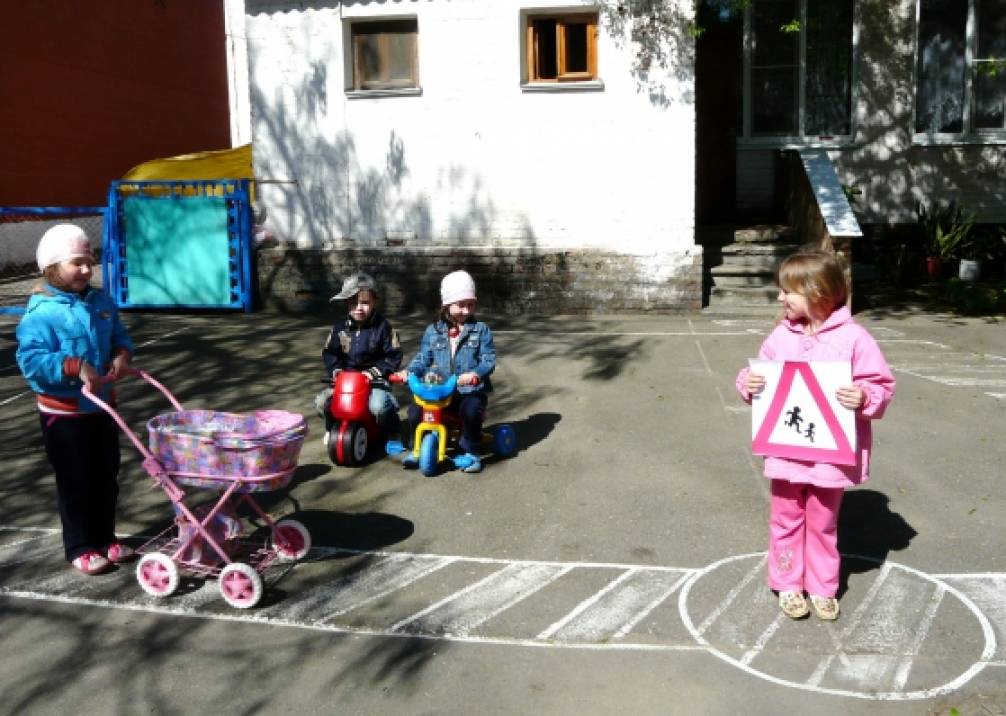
{"x": 961, "y": 68}
{"x": 798, "y": 69}
{"x": 385, "y": 55}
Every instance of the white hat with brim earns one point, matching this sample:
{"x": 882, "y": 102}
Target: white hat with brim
{"x": 61, "y": 243}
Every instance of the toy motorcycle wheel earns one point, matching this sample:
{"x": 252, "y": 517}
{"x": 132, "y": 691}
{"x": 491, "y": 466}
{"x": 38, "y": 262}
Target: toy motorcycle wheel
{"x": 348, "y": 446}
{"x": 505, "y": 441}
{"x": 428, "y": 450}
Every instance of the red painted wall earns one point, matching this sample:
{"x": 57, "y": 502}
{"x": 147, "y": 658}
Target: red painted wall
{"x": 89, "y": 89}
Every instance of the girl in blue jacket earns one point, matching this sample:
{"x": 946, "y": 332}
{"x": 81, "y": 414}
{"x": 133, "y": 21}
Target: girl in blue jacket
{"x": 457, "y": 344}
{"x": 71, "y": 336}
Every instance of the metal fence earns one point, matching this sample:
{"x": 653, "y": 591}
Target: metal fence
{"x": 20, "y": 230}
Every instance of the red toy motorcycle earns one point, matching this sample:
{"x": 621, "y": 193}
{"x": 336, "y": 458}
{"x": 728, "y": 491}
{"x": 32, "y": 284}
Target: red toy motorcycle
{"x": 355, "y": 428}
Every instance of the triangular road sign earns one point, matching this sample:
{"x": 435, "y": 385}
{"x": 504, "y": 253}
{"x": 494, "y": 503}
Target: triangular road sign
{"x": 809, "y": 429}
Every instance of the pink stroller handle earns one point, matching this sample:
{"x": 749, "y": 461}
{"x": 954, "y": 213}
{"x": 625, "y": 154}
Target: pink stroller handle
{"x": 149, "y": 460}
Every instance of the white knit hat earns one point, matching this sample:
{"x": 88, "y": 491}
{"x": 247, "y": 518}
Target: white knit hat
{"x": 457, "y": 286}
{"x": 60, "y": 243}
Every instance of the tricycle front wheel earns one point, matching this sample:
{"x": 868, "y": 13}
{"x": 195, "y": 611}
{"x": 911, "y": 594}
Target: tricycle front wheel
{"x": 428, "y": 454}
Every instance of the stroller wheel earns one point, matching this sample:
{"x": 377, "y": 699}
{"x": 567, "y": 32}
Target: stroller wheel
{"x": 291, "y": 540}
{"x": 240, "y": 585}
{"x": 157, "y": 574}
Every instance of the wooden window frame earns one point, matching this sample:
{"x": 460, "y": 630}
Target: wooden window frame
{"x": 561, "y": 22}
{"x": 382, "y": 28}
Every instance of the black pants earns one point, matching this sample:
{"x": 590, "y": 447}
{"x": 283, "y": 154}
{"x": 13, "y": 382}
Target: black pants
{"x": 471, "y": 407}
{"x": 84, "y": 453}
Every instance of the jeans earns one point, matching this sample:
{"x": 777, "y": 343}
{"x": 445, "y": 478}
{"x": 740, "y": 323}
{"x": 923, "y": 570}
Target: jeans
{"x": 472, "y": 409}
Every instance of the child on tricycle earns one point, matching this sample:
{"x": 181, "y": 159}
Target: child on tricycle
{"x": 449, "y": 378}
{"x": 362, "y": 350}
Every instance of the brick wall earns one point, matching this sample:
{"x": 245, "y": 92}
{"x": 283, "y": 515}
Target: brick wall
{"x": 510, "y": 281}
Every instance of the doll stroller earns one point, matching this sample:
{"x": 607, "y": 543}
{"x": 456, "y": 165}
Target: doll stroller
{"x": 232, "y": 455}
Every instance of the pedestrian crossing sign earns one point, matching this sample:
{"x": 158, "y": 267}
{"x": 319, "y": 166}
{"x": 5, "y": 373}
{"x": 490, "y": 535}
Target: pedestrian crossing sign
{"x": 797, "y": 416}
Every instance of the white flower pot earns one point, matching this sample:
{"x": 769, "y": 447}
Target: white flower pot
{"x": 969, "y": 269}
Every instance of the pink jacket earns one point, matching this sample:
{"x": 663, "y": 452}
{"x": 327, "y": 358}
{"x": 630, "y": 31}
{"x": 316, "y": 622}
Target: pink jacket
{"x": 839, "y": 338}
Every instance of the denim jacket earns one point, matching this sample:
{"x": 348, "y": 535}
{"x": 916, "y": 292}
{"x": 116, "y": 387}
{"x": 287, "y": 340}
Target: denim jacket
{"x": 58, "y": 325}
{"x": 475, "y": 354}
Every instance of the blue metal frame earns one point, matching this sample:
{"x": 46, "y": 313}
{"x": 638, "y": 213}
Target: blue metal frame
{"x": 237, "y": 194}
{"x": 46, "y": 211}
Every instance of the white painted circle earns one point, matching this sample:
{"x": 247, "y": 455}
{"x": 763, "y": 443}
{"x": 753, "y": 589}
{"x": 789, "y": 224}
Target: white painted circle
{"x": 987, "y": 652}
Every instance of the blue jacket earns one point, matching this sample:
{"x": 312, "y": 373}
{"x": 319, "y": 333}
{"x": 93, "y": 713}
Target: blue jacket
{"x": 58, "y": 325}
{"x": 372, "y": 347}
{"x": 476, "y": 354}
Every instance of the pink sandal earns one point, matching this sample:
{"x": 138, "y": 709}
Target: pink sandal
{"x": 119, "y": 552}
{"x": 90, "y": 563}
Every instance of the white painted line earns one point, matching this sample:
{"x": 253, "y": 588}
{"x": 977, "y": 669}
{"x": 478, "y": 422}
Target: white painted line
{"x": 253, "y": 618}
{"x": 464, "y": 611}
{"x": 982, "y": 661}
{"x": 15, "y": 397}
{"x": 645, "y": 611}
{"x": 705, "y": 361}
{"x": 585, "y": 605}
{"x": 378, "y": 581}
{"x": 732, "y": 595}
{"x": 921, "y": 632}
{"x": 612, "y": 613}
{"x": 763, "y": 639}
{"x": 850, "y": 626}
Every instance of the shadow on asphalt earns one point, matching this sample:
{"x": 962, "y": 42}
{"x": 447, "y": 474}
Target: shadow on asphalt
{"x": 867, "y": 528}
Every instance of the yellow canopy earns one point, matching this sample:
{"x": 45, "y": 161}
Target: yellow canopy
{"x": 219, "y": 164}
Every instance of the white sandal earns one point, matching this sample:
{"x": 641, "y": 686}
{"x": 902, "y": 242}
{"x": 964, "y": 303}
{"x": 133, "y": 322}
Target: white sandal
{"x": 793, "y": 604}
{"x": 825, "y": 608}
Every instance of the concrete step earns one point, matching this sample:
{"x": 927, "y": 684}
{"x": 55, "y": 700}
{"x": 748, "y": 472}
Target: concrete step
{"x": 755, "y": 281}
{"x": 765, "y": 233}
{"x": 739, "y": 295}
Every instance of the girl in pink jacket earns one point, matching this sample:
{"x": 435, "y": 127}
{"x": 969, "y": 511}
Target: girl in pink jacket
{"x": 806, "y": 496}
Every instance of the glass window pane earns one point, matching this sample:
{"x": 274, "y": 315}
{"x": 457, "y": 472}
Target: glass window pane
{"x": 774, "y": 101}
{"x": 990, "y": 69}
{"x": 399, "y": 56}
{"x": 771, "y": 45}
{"x": 990, "y": 99}
{"x": 829, "y": 68}
{"x": 385, "y": 54}
{"x": 546, "y": 52}
{"x": 992, "y": 29}
{"x": 368, "y": 55}
{"x": 575, "y": 37}
{"x": 940, "y": 93}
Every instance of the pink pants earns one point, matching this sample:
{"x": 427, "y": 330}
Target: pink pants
{"x": 803, "y": 538}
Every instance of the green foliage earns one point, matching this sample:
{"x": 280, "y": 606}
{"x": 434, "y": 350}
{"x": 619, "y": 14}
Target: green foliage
{"x": 790, "y": 27}
{"x": 975, "y": 299}
{"x": 945, "y": 227}
{"x": 992, "y": 67}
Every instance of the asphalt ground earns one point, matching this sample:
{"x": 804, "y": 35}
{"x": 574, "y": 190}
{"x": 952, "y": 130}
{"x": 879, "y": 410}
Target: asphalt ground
{"x": 614, "y": 564}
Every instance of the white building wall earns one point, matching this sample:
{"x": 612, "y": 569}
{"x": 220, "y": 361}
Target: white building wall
{"x": 473, "y": 160}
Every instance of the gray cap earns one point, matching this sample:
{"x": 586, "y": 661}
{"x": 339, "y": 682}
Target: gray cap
{"x": 353, "y": 284}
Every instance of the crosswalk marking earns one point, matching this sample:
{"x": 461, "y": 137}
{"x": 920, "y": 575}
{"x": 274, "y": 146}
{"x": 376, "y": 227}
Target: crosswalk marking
{"x": 873, "y": 650}
{"x": 462, "y": 612}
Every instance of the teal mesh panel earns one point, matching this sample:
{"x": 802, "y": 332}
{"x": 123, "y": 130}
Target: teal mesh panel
{"x": 177, "y": 251}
